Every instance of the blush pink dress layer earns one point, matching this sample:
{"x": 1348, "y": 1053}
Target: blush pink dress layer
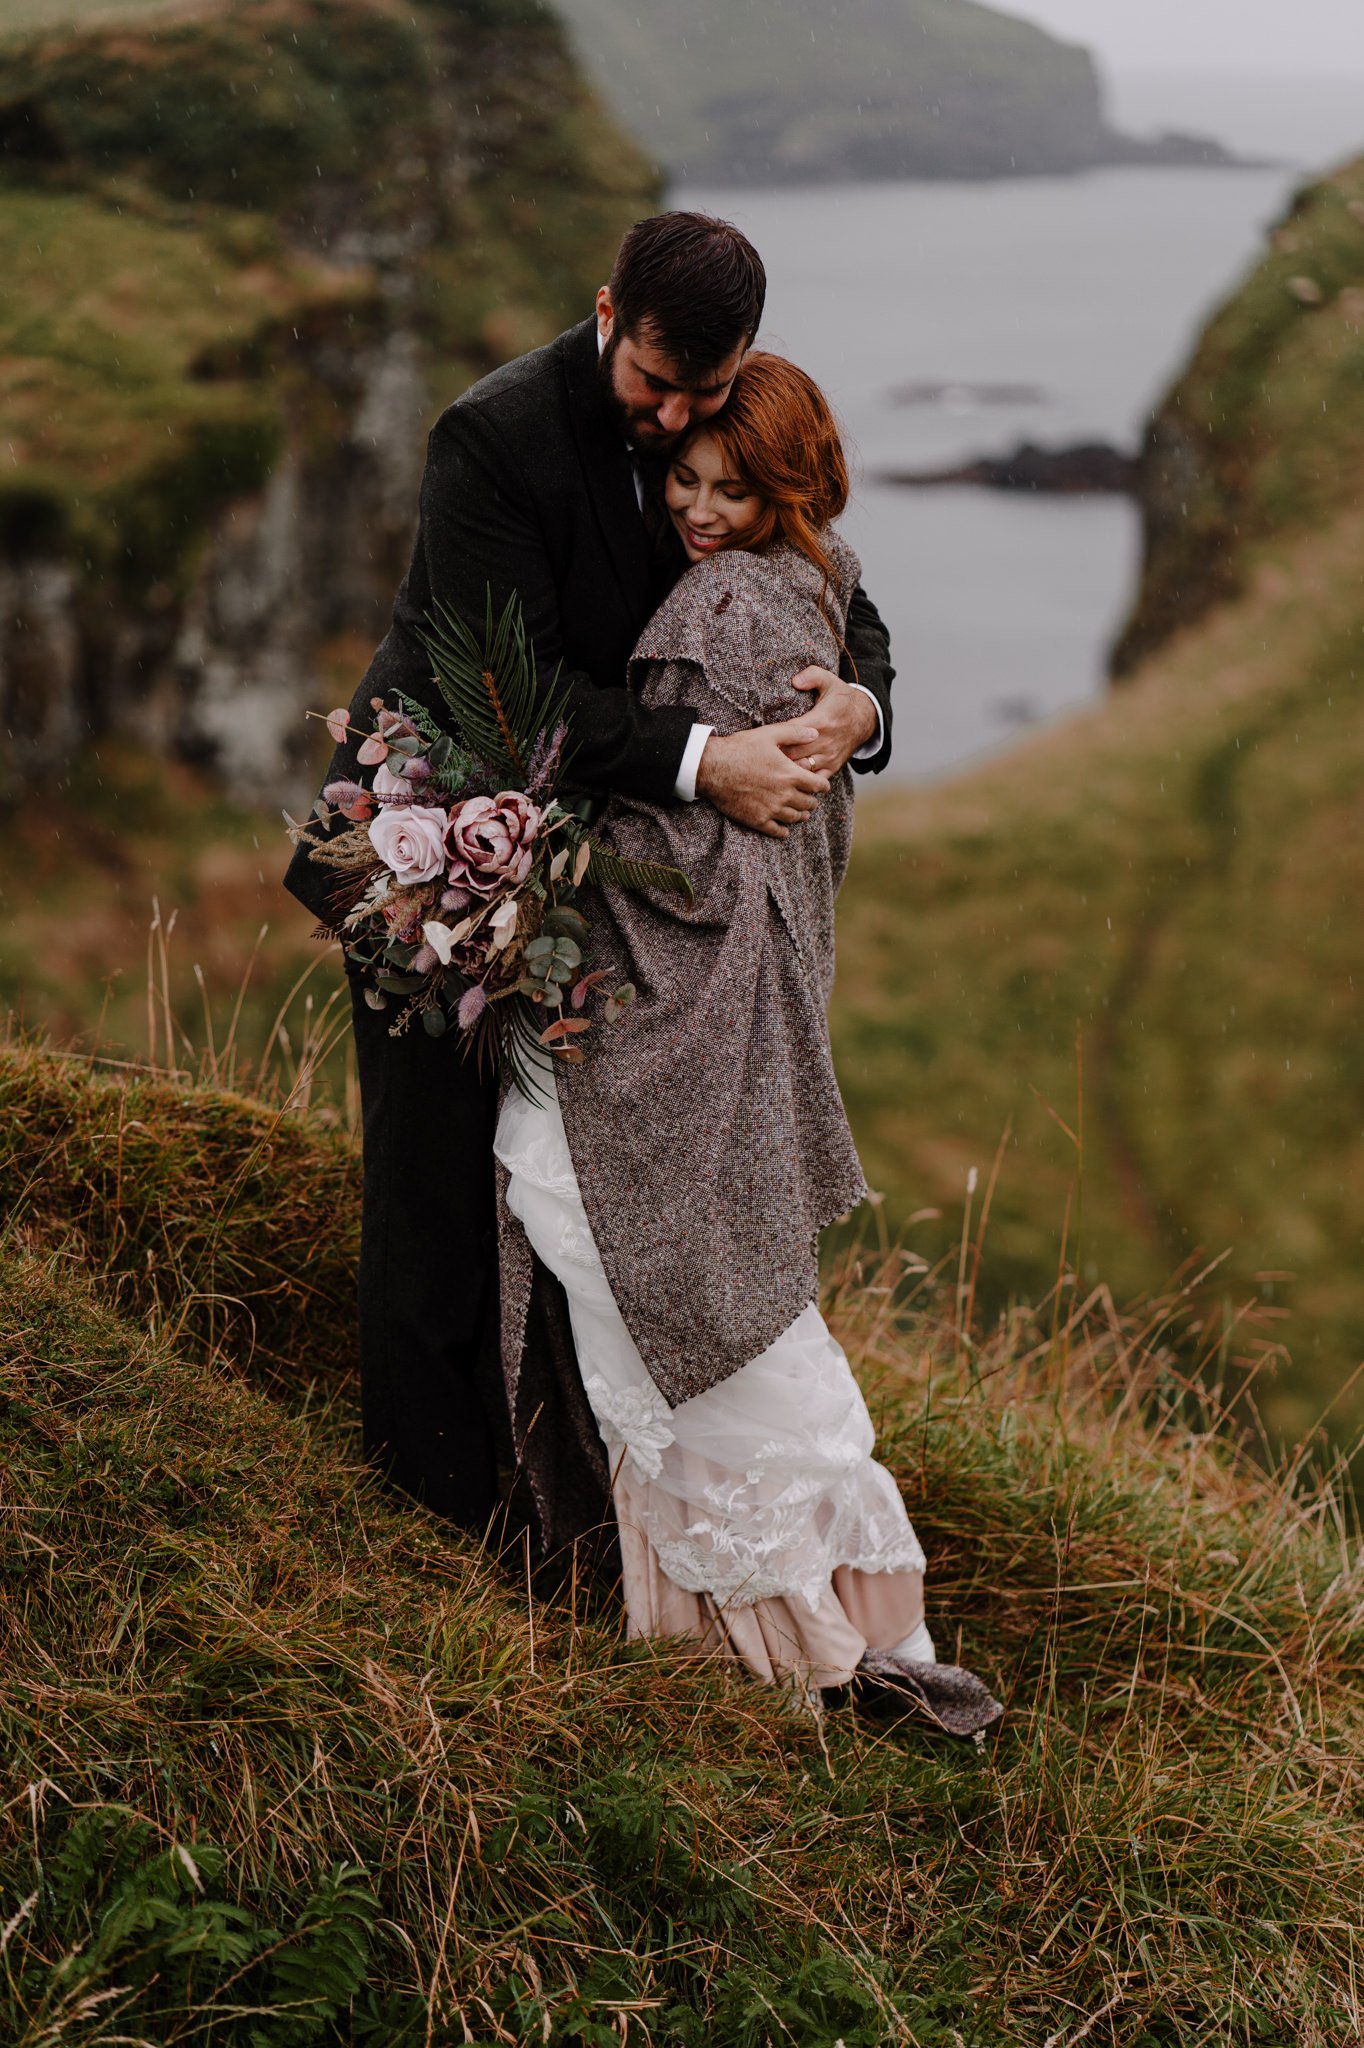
{"x": 753, "y": 1518}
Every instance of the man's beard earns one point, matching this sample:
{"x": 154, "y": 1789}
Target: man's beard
{"x": 639, "y": 428}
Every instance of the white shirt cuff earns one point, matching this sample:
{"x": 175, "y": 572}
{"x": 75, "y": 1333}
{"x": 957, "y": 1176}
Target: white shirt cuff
{"x": 685, "y": 788}
{"x": 873, "y": 746}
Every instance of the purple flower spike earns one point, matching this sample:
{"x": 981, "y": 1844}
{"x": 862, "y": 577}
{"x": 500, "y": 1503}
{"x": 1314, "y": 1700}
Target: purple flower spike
{"x": 424, "y": 960}
{"x": 456, "y": 899}
{"x": 472, "y": 1004}
{"x": 542, "y": 770}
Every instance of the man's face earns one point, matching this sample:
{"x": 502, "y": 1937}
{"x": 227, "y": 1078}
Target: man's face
{"x": 657, "y": 400}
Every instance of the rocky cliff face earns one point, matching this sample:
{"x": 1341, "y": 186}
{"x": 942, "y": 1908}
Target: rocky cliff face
{"x": 1262, "y": 436}
{"x": 256, "y": 249}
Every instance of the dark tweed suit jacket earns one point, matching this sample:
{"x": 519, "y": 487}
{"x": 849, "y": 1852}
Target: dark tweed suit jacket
{"x": 529, "y": 488}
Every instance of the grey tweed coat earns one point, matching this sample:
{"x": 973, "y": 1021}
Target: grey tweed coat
{"x": 706, "y": 1126}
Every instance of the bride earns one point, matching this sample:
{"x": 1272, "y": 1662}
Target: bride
{"x": 676, "y": 1181}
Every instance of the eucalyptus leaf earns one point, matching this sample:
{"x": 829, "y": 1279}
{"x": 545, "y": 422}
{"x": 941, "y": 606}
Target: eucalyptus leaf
{"x": 434, "y": 1023}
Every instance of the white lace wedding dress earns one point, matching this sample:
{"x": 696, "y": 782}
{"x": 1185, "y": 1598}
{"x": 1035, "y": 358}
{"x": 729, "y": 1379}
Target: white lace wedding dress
{"x": 752, "y": 1517}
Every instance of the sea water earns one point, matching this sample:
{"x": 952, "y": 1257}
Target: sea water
{"x": 947, "y": 320}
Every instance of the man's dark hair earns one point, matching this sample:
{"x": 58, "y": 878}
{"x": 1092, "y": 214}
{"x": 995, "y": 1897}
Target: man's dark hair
{"x": 691, "y": 285}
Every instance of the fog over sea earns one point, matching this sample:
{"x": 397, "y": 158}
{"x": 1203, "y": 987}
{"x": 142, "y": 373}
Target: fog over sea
{"x": 949, "y": 320}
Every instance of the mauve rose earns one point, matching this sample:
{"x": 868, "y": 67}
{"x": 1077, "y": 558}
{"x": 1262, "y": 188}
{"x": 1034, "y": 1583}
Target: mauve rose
{"x": 411, "y": 841}
{"x": 490, "y": 840}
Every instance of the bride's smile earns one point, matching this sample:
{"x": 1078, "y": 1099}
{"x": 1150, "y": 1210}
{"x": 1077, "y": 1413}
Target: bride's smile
{"x": 709, "y": 507}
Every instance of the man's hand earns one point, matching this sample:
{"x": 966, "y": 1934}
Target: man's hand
{"x": 758, "y": 777}
{"x": 845, "y": 719}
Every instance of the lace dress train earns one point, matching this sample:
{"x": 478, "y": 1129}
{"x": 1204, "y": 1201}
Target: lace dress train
{"x": 753, "y": 1518}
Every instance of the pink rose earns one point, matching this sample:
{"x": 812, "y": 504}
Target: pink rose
{"x": 491, "y": 840}
{"x": 411, "y": 841}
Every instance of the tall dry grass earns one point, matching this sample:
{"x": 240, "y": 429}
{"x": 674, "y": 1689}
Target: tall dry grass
{"x": 287, "y": 1761}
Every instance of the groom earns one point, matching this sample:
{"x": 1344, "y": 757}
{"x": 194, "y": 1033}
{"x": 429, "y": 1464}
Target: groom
{"x": 546, "y": 479}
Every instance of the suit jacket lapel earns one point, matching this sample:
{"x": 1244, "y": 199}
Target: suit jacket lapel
{"x": 606, "y": 467}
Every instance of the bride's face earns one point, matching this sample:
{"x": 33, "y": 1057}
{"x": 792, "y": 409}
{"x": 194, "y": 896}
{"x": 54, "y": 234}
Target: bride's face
{"x": 710, "y": 508}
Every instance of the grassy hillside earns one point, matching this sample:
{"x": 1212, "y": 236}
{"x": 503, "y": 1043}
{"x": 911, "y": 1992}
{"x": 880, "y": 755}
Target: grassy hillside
{"x": 132, "y": 888}
{"x": 204, "y": 209}
{"x": 789, "y": 89}
{"x": 287, "y": 1762}
{"x": 1133, "y": 942}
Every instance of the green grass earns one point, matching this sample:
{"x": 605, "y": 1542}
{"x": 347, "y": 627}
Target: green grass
{"x": 114, "y": 435}
{"x": 245, "y": 106}
{"x": 135, "y": 878}
{"x": 287, "y": 1761}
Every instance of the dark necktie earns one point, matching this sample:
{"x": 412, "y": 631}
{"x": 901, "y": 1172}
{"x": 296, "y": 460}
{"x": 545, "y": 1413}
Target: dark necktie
{"x": 665, "y": 550}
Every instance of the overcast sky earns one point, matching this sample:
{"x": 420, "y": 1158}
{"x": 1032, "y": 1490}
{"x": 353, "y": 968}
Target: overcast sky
{"x": 1302, "y": 36}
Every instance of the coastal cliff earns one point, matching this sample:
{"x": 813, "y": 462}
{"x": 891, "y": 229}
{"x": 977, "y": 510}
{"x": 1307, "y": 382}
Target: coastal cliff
{"x": 1261, "y": 435}
{"x": 250, "y": 250}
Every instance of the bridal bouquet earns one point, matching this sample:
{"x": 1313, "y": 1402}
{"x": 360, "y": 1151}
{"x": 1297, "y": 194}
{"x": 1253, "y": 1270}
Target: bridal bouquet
{"x": 457, "y": 880}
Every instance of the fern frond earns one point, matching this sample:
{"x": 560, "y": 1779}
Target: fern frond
{"x": 607, "y": 867}
{"x": 417, "y": 716}
{"x": 459, "y": 767}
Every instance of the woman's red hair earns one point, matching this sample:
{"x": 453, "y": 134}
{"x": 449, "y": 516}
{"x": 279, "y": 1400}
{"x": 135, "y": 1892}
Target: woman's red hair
{"x": 776, "y": 431}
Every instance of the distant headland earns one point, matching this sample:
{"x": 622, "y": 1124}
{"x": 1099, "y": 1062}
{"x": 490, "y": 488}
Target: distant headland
{"x": 805, "y": 91}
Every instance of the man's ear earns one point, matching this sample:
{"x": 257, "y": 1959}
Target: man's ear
{"x": 606, "y": 312}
